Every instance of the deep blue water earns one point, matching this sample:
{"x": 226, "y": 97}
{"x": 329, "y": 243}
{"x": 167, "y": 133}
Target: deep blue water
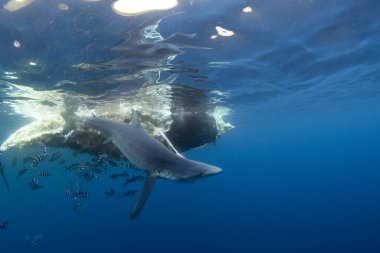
{"x": 301, "y": 168}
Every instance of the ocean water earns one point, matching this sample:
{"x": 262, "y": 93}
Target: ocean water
{"x": 301, "y": 167}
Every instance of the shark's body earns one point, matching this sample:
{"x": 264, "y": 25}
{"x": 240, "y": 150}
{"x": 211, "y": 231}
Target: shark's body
{"x": 147, "y": 153}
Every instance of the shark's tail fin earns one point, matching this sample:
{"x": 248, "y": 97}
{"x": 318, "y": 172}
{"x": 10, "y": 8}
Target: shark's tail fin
{"x": 148, "y": 185}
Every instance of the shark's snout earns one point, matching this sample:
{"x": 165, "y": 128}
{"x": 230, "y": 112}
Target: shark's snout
{"x": 212, "y": 170}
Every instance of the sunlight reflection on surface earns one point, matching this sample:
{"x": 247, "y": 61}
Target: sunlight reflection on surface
{"x": 131, "y": 7}
{"x": 15, "y": 5}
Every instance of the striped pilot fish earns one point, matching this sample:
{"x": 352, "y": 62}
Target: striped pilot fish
{"x": 32, "y": 162}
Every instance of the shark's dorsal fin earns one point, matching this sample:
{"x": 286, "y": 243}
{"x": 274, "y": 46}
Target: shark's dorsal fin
{"x": 148, "y": 185}
{"x": 135, "y": 122}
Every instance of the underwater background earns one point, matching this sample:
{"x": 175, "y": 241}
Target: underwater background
{"x": 301, "y": 167}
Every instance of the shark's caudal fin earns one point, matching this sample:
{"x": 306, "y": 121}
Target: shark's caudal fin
{"x": 148, "y": 185}
{"x": 3, "y": 175}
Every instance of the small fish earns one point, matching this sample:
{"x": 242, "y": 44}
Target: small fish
{"x": 42, "y": 146}
{"x": 129, "y": 193}
{"x": 43, "y": 173}
{"x": 128, "y": 165}
{"x": 34, "y": 184}
{"x": 21, "y": 172}
{"x": 117, "y": 175}
{"x": 78, "y": 193}
{"x": 33, "y": 242}
{"x": 112, "y": 163}
{"x": 55, "y": 156}
{"x": 78, "y": 207}
{"x": 133, "y": 179}
{"x": 124, "y": 174}
{"x": 87, "y": 176}
{"x": 68, "y": 192}
{"x": 100, "y": 159}
{"x": 77, "y": 187}
{"x": 109, "y": 193}
{"x": 63, "y": 161}
{"x": 3, "y": 224}
{"x": 33, "y": 162}
{"x": 81, "y": 166}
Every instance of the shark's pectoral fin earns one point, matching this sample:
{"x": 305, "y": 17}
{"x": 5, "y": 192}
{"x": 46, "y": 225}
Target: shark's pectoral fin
{"x": 148, "y": 185}
{"x": 4, "y": 178}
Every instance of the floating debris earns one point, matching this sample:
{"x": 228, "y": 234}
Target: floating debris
{"x": 55, "y": 156}
{"x": 224, "y": 32}
{"x": 16, "y": 44}
{"x": 63, "y": 7}
{"x": 247, "y": 9}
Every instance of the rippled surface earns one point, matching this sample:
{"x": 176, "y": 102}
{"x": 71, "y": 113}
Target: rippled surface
{"x": 304, "y": 52}
{"x": 299, "y": 80}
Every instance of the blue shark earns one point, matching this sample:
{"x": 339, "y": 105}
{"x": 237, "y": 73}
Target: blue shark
{"x": 149, "y": 154}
